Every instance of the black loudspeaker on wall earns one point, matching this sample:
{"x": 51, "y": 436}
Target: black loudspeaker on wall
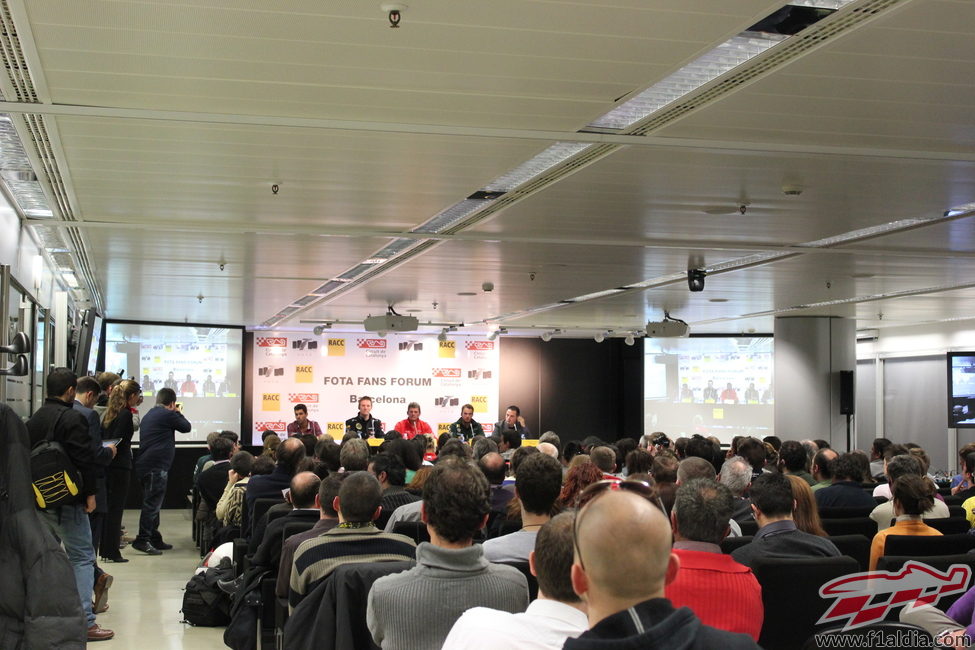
{"x": 847, "y": 395}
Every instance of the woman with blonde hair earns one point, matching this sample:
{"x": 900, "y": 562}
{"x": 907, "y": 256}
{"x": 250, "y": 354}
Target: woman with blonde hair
{"x": 118, "y": 424}
{"x": 806, "y": 514}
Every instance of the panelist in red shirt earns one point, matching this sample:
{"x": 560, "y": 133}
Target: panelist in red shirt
{"x": 412, "y": 425}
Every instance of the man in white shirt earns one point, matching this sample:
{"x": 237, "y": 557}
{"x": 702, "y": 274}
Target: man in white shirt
{"x": 556, "y": 615}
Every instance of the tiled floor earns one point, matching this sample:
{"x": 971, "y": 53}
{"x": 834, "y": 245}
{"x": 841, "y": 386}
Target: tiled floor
{"x": 147, "y": 594}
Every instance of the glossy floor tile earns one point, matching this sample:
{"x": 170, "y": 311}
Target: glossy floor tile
{"x": 147, "y": 594}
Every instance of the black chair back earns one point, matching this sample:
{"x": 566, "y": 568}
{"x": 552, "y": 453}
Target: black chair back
{"x": 415, "y": 530}
{"x": 869, "y": 637}
{"x": 880, "y": 500}
{"x": 532, "y": 580}
{"x": 729, "y": 544}
{"x": 949, "y": 525}
{"x": 940, "y": 562}
{"x": 295, "y": 527}
{"x": 923, "y": 546}
{"x": 956, "y": 511}
{"x": 790, "y": 593}
{"x": 850, "y": 526}
{"x": 827, "y": 512}
{"x": 855, "y": 546}
{"x": 954, "y": 500}
{"x": 261, "y": 506}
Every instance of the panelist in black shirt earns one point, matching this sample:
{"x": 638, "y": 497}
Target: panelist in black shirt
{"x": 363, "y": 424}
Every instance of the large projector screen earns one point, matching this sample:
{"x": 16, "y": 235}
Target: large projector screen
{"x": 202, "y": 364}
{"x": 720, "y": 386}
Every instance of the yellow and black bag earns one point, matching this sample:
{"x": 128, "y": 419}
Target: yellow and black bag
{"x": 54, "y": 477}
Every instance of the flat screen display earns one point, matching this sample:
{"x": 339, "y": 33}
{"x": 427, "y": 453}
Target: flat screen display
{"x": 961, "y": 389}
{"x": 202, "y": 364}
{"x": 714, "y": 386}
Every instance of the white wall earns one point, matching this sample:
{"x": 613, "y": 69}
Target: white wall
{"x": 18, "y": 250}
{"x": 920, "y": 340}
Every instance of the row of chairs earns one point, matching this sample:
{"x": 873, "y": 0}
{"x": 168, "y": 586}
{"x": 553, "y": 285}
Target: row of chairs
{"x": 867, "y": 526}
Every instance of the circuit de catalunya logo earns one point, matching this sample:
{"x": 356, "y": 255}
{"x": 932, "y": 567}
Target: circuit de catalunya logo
{"x": 371, "y": 344}
{"x": 479, "y": 345}
{"x": 272, "y": 342}
{"x": 864, "y": 598}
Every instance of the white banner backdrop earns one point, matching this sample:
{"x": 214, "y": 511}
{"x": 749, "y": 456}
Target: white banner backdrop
{"x": 330, "y": 373}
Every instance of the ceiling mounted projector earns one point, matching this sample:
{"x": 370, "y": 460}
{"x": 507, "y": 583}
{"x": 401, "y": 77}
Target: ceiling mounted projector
{"x": 391, "y": 323}
{"x": 667, "y": 329}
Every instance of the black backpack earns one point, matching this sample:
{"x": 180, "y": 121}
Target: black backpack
{"x": 54, "y": 478}
{"x": 204, "y": 603}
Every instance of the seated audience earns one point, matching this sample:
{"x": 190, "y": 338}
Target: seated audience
{"x": 966, "y": 489}
{"x": 270, "y": 445}
{"x": 417, "y": 608}
{"x": 232, "y": 500}
{"x": 721, "y": 592}
{"x": 862, "y": 462}
{"x": 549, "y": 449}
{"x": 665, "y": 467}
{"x": 537, "y": 487}
{"x": 822, "y": 468}
{"x": 510, "y": 441}
{"x": 846, "y": 490}
{"x": 806, "y": 513}
{"x": 577, "y": 479}
{"x": 354, "y": 455}
{"x": 605, "y": 459}
{"x": 493, "y": 467}
{"x": 622, "y": 576}
{"x": 639, "y": 461}
{"x": 272, "y": 486}
{"x": 960, "y": 476}
{"x": 913, "y": 495}
{"x": 952, "y": 629}
{"x": 391, "y": 473}
{"x": 328, "y": 519}
{"x": 736, "y": 475}
{"x": 755, "y": 454}
{"x": 883, "y": 490}
{"x": 778, "y": 535}
{"x": 517, "y": 459}
{"x": 301, "y": 496}
{"x": 556, "y": 615}
{"x": 877, "y": 450}
{"x": 211, "y": 482}
{"x": 793, "y": 460}
{"x": 354, "y": 539}
{"x": 896, "y": 467}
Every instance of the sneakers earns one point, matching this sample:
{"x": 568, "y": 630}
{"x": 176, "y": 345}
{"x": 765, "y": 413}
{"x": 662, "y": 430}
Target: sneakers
{"x": 97, "y": 633}
{"x": 101, "y": 593}
{"x": 230, "y": 586}
{"x": 146, "y": 548}
{"x": 162, "y": 546}
{"x": 117, "y": 560}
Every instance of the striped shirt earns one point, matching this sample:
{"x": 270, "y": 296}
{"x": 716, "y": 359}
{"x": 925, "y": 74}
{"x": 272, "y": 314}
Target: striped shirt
{"x": 316, "y": 558}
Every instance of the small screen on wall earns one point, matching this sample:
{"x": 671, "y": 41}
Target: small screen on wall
{"x": 961, "y": 389}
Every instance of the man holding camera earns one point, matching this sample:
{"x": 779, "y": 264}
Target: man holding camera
{"x": 157, "y": 448}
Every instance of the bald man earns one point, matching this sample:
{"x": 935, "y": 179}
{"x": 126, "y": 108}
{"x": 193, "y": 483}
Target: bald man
{"x": 549, "y": 449}
{"x": 621, "y": 578}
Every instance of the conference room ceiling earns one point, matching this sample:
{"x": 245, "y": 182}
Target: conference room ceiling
{"x": 172, "y": 121}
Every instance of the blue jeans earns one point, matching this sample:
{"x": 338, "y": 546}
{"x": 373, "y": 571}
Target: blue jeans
{"x": 153, "y": 491}
{"x": 70, "y": 525}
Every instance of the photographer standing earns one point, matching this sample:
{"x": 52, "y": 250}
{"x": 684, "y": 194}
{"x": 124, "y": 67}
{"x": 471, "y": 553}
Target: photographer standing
{"x": 157, "y": 448}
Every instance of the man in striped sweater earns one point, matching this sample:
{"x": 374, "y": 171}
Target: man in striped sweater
{"x": 721, "y": 592}
{"x": 355, "y": 539}
{"x": 451, "y": 573}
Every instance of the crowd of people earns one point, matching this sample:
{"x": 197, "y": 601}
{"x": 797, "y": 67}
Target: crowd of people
{"x": 585, "y": 544}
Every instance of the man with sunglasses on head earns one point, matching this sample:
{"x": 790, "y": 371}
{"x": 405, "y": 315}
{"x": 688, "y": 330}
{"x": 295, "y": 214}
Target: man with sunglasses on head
{"x": 621, "y": 577}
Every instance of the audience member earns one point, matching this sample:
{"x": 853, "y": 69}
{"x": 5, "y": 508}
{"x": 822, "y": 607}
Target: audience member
{"x": 391, "y": 473}
{"x": 354, "y": 454}
{"x": 578, "y": 479}
{"x": 537, "y": 487}
{"x": 301, "y": 496}
{"x": 877, "y": 450}
{"x": 604, "y": 458}
{"x": 794, "y": 460}
{"x": 328, "y": 519}
{"x": 822, "y": 468}
{"x": 549, "y": 450}
{"x": 621, "y": 578}
{"x": 904, "y": 465}
{"x": 271, "y": 486}
{"x": 455, "y": 448}
{"x": 736, "y": 475}
{"x": 231, "y": 502}
{"x": 639, "y": 461}
{"x": 966, "y": 488}
{"x": 913, "y": 495}
{"x": 846, "y": 490}
{"x": 721, "y": 592}
{"x": 270, "y": 444}
{"x": 118, "y": 423}
{"x": 212, "y": 481}
{"x": 556, "y": 615}
{"x": 754, "y": 452}
{"x": 354, "y": 539}
{"x": 862, "y": 462}
{"x": 806, "y": 513}
{"x": 510, "y": 441}
{"x": 451, "y": 575}
{"x": 665, "y": 467}
{"x": 778, "y": 535}
{"x": 694, "y": 467}
{"x": 482, "y": 446}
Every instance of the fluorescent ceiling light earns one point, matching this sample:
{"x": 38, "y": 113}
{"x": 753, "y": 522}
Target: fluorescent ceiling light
{"x": 70, "y": 278}
{"x": 452, "y": 215}
{"x": 374, "y": 260}
{"x": 960, "y": 209}
{"x": 594, "y": 295}
{"x": 555, "y": 154}
{"x": 821, "y": 4}
{"x": 708, "y": 67}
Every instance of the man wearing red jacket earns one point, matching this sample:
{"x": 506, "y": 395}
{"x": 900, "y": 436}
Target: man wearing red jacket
{"x": 721, "y": 592}
{"x": 412, "y": 425}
